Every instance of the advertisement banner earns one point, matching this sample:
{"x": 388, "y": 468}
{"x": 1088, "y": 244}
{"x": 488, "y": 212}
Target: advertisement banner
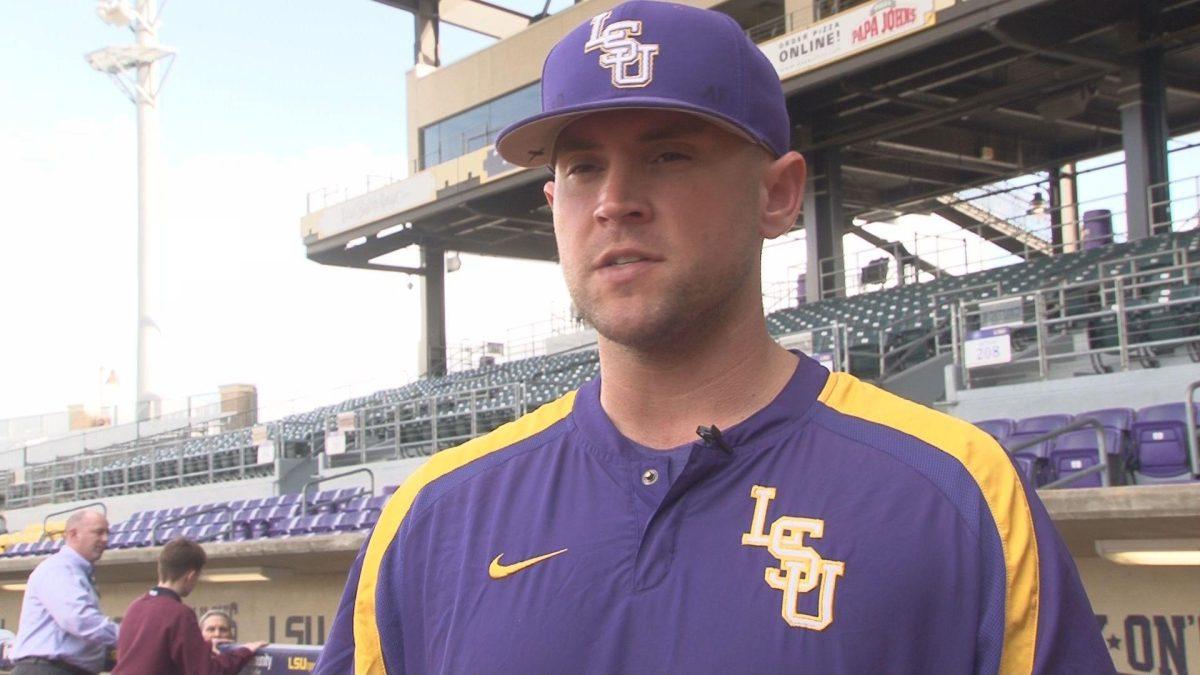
{"x": 847, "y": 33}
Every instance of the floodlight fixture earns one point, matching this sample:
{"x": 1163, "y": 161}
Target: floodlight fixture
{"x": 134, "y": 68}
{"x": 116, "y": 13}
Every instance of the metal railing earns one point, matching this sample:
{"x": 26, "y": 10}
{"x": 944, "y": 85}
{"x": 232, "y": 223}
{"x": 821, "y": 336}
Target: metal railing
{"x": 1134, "y": 313}
{"x": 1101, "y": 466}
{"x": 1189, "y": 404}
{"x": 799, "y": 18}
{"x": 322, "y": 479}
{"x": 818, "y": 340}
{"x": 419, "y": 426}
{"x": 179, "y": 463}
{"x": 195, "y": 514}
{"x": 73, "y": 509}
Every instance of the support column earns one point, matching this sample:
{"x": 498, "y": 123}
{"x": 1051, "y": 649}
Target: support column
{"x": 824, "y": 226}
{"x": 1055, "y": 209}
{"x": 433, "y": 310}
{"x": 1144, "y": 131}
{"x": 426, "y": 46}
{"x": 1068, "y": 195}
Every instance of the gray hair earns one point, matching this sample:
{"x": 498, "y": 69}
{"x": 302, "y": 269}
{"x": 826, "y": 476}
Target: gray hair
{"x": 217, "y": 612}
{"x": 76, "y": 519}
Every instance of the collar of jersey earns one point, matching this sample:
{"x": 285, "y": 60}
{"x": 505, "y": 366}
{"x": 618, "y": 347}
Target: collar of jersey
{"x": 793, "y": 403}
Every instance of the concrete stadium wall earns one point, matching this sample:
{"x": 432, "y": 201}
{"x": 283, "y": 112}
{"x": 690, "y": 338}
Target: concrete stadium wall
{"x": 1132, "y": 389}
{"x": 1150, "y": 616}
{"x": 297, "y": 609}
{"x": 386, "y": 473}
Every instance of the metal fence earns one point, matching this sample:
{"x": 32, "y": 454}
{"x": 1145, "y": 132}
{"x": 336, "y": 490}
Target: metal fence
{"x": 1136, "y": 312}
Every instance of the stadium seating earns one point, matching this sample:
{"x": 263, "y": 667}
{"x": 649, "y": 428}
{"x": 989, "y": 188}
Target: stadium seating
{"x": 1000, "y": 429}
{"x": 1161, "y": 444}
{"x": 342, "y": 510}
{"x": 1144, "y": 447}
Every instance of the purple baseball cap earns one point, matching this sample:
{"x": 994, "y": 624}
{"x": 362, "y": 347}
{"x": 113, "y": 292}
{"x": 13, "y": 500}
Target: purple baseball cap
{"x": 654, "y": 56}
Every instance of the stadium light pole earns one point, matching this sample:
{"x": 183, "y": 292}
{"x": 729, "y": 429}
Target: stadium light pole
{"x": 135, "y": 70}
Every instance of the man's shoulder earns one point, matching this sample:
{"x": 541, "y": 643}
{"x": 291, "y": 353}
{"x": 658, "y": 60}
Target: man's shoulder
{"x": 451, "y": 467}
{"x": 54, "y": 564}
{"x": 858, "y": 402}
{"x": 955, "y": 457}
{"x": 159, "y": 606}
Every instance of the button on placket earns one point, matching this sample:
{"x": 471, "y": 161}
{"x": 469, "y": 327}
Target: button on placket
{"x": 649, "y": 477}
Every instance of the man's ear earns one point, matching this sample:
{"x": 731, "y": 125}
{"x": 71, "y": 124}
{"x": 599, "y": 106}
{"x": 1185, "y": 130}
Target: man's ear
{"x": 548, "y": 190}
{"x": 783, "y": 188}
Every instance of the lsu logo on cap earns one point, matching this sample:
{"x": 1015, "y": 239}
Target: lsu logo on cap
{"x": 801, "y": 568}
{"x": 631, "y": 62}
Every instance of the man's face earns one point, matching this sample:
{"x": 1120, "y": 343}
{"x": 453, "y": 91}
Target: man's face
{"x": 655, "y": 214}
{"x": 216, "y": 627}
{"x": 89, "y": 537}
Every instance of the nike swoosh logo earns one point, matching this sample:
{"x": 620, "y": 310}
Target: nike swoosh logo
{"x": 498, "y": 571}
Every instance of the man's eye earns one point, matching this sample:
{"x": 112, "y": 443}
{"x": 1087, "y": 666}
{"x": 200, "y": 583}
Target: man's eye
{"x": 581, "y": 168}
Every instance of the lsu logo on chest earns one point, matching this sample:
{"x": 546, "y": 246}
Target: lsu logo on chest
{"x": 801, "y": 568}
{"x": 631, "y": 62}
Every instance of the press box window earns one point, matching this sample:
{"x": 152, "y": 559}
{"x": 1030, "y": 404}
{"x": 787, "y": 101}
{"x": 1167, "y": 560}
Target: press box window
{"x": 478, "y": 127}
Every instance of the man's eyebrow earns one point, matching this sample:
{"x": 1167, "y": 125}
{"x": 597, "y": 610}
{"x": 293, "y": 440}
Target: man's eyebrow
{"x": 673, "y": 132}
{"x": 682, "y": 129}
{"x": 570, "y": 144}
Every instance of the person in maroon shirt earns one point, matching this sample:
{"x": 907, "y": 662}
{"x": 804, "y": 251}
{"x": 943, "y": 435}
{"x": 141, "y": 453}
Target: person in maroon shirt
{"x": 160, "y": 634}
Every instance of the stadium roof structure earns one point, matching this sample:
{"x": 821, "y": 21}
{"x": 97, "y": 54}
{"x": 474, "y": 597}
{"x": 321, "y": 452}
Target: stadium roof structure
{"x": 983, "y": 91}
{"x": 995, "y": 89}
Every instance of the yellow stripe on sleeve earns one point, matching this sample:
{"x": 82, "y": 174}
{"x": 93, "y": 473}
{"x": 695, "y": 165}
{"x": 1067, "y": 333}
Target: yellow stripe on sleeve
{"x": 368, "y": 654}
{"x": 998, "y": 482}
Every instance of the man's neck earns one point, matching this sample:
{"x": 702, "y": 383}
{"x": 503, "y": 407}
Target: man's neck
{"x": 173, "y": 586}
{"x": 721, "y": 376}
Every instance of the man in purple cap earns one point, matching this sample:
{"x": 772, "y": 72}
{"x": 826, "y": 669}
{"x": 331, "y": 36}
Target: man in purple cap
{"x": 817, "y": 524}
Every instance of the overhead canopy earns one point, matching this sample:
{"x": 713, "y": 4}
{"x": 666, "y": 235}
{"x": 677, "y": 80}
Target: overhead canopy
{"x": 994, "y": 89}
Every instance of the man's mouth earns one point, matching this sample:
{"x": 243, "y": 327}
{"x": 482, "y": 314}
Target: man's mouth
{"x": 625, "y": 260}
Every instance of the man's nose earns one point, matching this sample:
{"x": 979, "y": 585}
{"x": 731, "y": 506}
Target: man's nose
{"x": 622, "y": 197}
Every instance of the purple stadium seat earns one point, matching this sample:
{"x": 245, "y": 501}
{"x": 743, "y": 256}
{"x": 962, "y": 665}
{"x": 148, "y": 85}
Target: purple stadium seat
{"x": 1043, "y": 423}
{"x": 1160, "y": 445}
{"x": 236, "y": 504}
{"x": 346, "y": 521}
{"x": 1033, "y": 461}
{"x": 288, "y": 499}
{"x": 323, "y": 524}
{"x": 1120, "y": 419}
{"x": 119, "y": 540}
{"x": 376, "y": 503}
{"x": 1078, "y": 450}
{"x": 367, "y": 519}
{"x": 1000, "y": 429}
{"x": 355, "y": 503}
{"x": 298, "y": 525}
